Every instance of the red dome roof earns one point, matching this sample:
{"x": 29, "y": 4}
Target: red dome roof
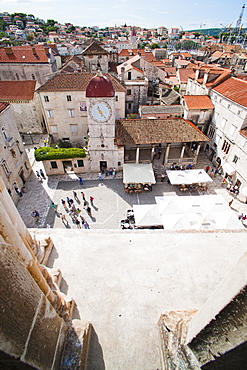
{"x": 100, "y": 87}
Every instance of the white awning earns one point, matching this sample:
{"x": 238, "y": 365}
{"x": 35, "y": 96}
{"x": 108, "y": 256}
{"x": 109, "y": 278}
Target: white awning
{"x": 196, "y": 176}
{"x": 138, "y": 173}
{"x": 227, "y": 168}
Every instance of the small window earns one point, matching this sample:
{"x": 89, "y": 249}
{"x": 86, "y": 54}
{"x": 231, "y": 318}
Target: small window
{"x": 235, "y": 159}
{"x": 128, "y": 92}
{"x": 4, "y": 134}
{"x": 129, "y": 105}
{"x": 53, "y": 164}
{"x": 116, "y": 98}
{"x": 5, "y": 167}
{"x": 232, "y": 130}
{"x": 49, "y": 113}
{"x": 223, "y": 123}
{"x": 80, "y": 163}
{"x": 53, "y": 129}
{"x": 33, "y": 77}
{"x": 71, "y": 113}
{"x": 68, "y": 97}
{"x": 211, "y": 132}
{"x": 239, "y": 112}
{"x": 73, "y": 128}
{"x": 229, "y": 106}
{"x": 46, "y": 99}
{"x": 17, "y": 76}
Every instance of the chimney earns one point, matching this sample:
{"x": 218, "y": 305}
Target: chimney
{"x": 8, "y": 50}
{"x": 122, "y": 75}
{"x": 33, "y": 50}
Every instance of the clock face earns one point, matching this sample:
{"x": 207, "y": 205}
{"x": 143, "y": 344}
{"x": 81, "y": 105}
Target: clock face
{"x": 100, "y": 111}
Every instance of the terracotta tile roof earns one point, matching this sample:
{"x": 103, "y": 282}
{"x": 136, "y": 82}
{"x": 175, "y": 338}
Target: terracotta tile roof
{"x": 17, "y": 90}
{"x": 158, "y": 109}
{"x": 137, "y": 69}
{"x": 185, "y": 73}
{"x": 94, "y": 49}
{"x": 171, "y": 71}
{"x": 127, "y": 52}
{"x": 75, "y": 82}
{"x": 24, "y": 54}
{"x": 244, "y": 132}
{"x": 198, "y": 102}
{"x": 234, "y": 89}
{"x": 186, "y": 55}
{"x": 3, "y": 105}
{"x": 146, "y": 131}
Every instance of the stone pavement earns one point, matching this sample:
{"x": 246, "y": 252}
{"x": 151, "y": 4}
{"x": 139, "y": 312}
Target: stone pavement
{"x": 111, "y": 202}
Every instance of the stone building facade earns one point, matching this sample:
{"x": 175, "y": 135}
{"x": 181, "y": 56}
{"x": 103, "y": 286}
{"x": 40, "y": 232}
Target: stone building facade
{"x": 35, "y": 316}
{"x": 14, "y": 164}
{"x": 64, "y": 108}
{"x": 25, "y": 105}
{"x": 27, "y": 63}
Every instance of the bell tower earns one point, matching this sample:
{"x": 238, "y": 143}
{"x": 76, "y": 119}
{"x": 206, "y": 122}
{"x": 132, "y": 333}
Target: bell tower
{"x": 100, "y": 99}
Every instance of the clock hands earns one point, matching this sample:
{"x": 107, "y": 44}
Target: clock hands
{"x": 101, "y": 113}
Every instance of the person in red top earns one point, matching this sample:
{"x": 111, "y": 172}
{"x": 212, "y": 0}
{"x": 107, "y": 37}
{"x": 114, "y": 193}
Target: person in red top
{"x": 91, "y": 200}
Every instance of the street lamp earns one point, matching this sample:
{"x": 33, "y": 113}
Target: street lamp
{"x": 30, "y": 133}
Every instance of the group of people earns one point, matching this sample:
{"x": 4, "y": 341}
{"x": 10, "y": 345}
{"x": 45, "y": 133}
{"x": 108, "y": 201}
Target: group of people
{"x": 214, "y": 171}
{"x": 242, "y": 217}
{"x": 75, "y": 212}
{"x": 234, "y": 189}
{"x": 40, "y": 175}
{"x": 111, "y": 171}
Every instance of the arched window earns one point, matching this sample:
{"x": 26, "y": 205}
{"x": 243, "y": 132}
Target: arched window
{"x": 17, "y": 76}
{"x": 33, "y": 77}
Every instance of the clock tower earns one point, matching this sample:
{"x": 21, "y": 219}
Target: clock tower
{"x": 100, "y": 99}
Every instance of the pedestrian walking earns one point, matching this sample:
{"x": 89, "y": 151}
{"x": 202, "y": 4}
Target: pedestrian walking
{"x": 86, "y": 225}
{"x": 82, "y": 220}
{"x": 89, "y": 211}
{"x": 54, "y": 206}
{"x": 100, "y": 176}
{"x": 230, "y": 203}
{"x": 244, "y": 218}
{"x": 75, "y": 195}
{"x": 42, "y": 174}
{"x": 85, "y": 203}
{"x": 44, "y": 142}
{"x": 83, "y": 195}
{"x": 38, "y": 175}
{"x": 77, "y": 222}
{"x": 114, "y": 172}
{"x": 36, "y": 215}
{"x": 63, "y": 217}
{"x": 207, "y": 169}
{"x": 64, "y": 204}
{"x": 80, "y": 181}
{"x": 241, "y": 216}
{"x": 91, "y": 200}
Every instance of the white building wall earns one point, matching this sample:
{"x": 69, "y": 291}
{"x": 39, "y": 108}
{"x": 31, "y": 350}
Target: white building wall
{"x": 28, "y": 116}
{"x": 22, "y": 72}
{"x": 61, "y": 125}
{"x": 14, "y": 163}
{"x": 228, "y": 119}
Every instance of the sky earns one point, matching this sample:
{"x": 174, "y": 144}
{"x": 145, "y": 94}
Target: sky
{"x": 185, "y": 14}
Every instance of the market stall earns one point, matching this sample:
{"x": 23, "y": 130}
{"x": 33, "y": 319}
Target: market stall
{"x": 138, "y": 177}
